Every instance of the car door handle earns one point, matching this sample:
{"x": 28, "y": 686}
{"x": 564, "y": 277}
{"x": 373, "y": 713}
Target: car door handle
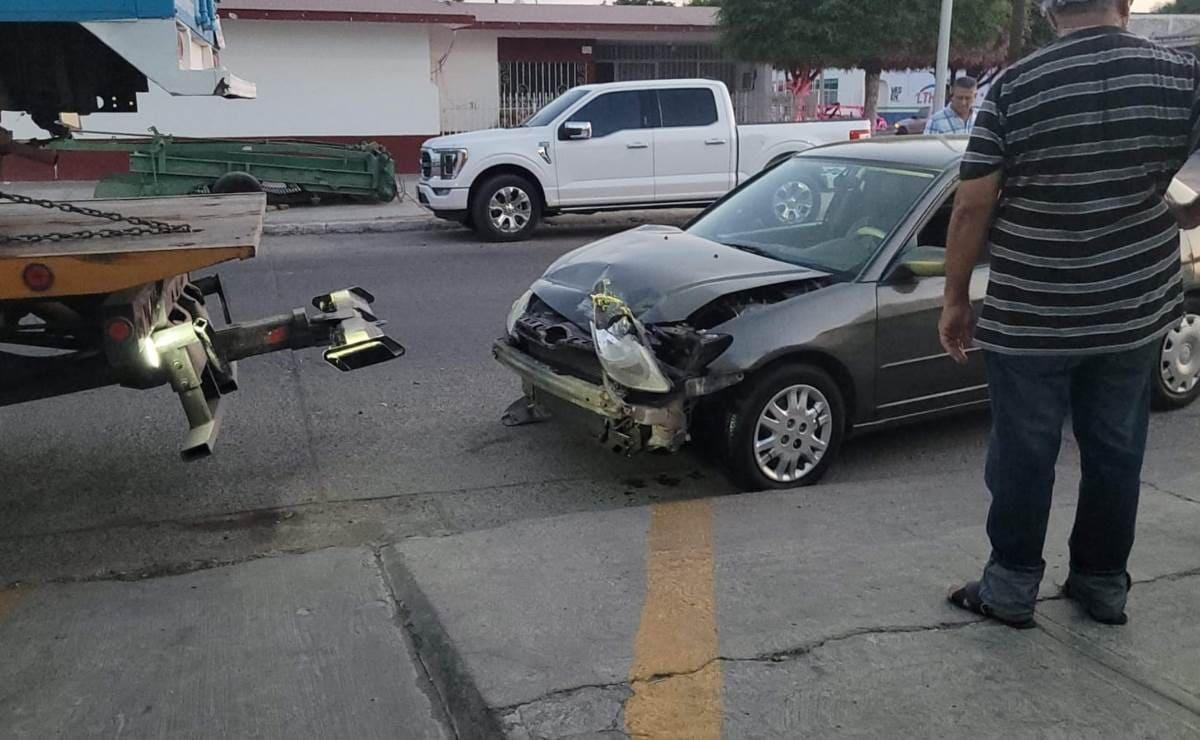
{"x": 637, "y": 145}
{"x": 715, "y": 142}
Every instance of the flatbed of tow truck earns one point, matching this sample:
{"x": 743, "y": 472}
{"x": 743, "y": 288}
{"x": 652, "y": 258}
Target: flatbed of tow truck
{"x": 223, "y": 228}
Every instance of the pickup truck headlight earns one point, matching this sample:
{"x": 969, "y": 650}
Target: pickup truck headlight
{"x": 447, "y": 163}
{"x": 519, "y": 307}
{"x": 626, "y": 360}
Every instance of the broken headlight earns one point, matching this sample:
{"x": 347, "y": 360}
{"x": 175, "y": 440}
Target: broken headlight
{"x": 622, "y": 346}
{"x": 626, "y": 359}
{"x": 519, "y": 307}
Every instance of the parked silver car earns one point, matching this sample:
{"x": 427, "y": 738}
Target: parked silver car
{"x": 775, "y": 337}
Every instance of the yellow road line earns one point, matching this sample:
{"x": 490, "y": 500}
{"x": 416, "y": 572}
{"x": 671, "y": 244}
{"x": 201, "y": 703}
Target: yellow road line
{"x": 676, "y": 677}
{"x": 9, "y": 598}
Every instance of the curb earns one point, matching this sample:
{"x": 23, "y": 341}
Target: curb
{"x": 420, "y": 223}
{"x": 470, "y": 716}
{"x": 376, "y": 226}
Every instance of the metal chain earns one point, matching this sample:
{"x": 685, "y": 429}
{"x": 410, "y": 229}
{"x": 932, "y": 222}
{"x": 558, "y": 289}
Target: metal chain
{"x": 141, "y": 226}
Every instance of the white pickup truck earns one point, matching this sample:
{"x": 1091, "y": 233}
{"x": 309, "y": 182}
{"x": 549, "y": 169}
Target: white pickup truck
{"x": 616, "y": 146}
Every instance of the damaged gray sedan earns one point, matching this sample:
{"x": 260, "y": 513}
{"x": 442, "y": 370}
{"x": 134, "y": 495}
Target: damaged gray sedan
{"x": 800, "y": 309}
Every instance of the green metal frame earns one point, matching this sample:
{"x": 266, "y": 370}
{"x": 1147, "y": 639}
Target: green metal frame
{"x": 164, "y": 165}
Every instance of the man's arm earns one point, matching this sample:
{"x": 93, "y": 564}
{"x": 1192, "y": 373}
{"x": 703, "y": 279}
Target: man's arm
{"x": 967, "y": 238}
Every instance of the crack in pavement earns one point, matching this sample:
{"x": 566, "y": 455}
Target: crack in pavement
{"x": 1146, "y": 687}
{"x": 773, "y": 657}
{"x": 1169, "y": 492}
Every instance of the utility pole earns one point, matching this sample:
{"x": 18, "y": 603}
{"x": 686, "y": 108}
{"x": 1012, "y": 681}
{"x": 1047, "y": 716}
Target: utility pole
{"x": 1016, "y": 31}
{"x": 943, "y": 57}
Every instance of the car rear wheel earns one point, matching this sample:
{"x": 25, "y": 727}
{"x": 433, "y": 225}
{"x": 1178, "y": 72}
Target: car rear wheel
{"x": 1177, "y": 376}
{"x": 506, "y": 208}
{"x": 786, "y": 428}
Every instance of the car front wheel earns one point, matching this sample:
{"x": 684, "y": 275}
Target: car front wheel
{"x": 506, "y": 208}
{"x": 786, "y": 428}
{"x": 1177, "y": 375}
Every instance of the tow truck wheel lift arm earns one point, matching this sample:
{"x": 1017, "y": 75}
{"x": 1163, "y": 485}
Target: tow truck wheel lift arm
{"x": 198, "y": 361}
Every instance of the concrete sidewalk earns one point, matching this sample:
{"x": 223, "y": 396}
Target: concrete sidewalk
{"x": 816, "y": 613}
{"x": 400, "y": 215}
{"x": 302, "y": 646}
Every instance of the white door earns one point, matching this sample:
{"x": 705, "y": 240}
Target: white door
{"x": 695, "y": 151}
{"x": 615, "y": 165}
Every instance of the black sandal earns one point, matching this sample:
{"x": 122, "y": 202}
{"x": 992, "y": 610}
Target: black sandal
{"x": 967, "y": 598}
{"x": 1115, "y": 621}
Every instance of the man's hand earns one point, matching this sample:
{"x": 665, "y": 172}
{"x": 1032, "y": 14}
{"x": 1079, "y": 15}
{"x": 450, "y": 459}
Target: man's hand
{"x": 966, "y": 241}
{"x": 1186, "y": 214}
{"x": 955, "y": 330}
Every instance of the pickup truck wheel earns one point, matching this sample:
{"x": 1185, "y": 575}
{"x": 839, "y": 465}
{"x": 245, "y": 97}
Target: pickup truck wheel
{"x": 786, "y": 428}
{"x": 797, "y": 201}
{"x": 1177, "y": 375}
{"x": 506, "y": 208}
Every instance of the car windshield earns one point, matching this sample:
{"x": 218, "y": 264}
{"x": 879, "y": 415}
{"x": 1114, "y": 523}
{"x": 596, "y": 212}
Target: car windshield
{"x": 829, "y": 215}
{"x": 554, "y": 108}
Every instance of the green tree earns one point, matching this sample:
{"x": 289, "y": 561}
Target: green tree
{"x": 804, "y": 36}
{"x": 1180, "y": 6}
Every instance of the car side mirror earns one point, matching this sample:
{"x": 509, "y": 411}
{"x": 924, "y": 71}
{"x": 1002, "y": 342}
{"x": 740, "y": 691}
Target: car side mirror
{"x": 575, "y": 131}
{"x": 921, "y": 262}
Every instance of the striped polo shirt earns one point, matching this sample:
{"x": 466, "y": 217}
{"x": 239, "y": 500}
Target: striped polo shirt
{"x": 1088, "y": 133}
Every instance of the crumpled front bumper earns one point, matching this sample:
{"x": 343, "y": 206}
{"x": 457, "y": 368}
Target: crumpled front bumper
{"x": 631, "y": 427}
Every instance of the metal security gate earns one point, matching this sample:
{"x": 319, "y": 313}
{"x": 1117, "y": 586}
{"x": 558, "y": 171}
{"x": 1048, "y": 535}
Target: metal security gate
{"x": 635, "y": 62}
{"x": 527, "y": 86}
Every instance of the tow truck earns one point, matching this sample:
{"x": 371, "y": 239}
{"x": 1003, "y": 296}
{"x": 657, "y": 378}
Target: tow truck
{"x": 105, "y": 293}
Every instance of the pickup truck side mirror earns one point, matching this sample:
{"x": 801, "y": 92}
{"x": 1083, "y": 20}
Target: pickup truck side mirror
{"x": 920, "y": 262}
{"x": 575, "y": 131}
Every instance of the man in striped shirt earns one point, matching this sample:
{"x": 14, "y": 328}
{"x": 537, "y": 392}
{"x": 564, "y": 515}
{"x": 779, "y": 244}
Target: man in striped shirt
{"x": 1064, "y": 182}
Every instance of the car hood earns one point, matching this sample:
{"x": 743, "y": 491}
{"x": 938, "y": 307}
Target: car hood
{"x": 662, "y": 273}
{"x": 488, "y": 136}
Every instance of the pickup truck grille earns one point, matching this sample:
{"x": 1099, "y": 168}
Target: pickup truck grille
{"x": 426, "y": 164}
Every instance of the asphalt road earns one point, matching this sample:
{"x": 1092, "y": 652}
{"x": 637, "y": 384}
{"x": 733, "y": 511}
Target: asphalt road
{"x": 412, "y": 530}
{"x": 310, "y": 457}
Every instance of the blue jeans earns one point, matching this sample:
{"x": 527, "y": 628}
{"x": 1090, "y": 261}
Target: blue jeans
{"x": 1108, "y": 400}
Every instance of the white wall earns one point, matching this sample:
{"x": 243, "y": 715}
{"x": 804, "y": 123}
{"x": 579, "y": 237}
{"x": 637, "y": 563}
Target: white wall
{"x": 467, "y": 76}
{"x": 314, "y": 79}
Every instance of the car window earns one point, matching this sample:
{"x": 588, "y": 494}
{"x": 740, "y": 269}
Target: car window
{"x": 934, "y": 232}
{"x": 829, "y": 215}
{"x": 694, "y": 106}
{"x": 613, "y": 112}
{"x": 555, "y": 108}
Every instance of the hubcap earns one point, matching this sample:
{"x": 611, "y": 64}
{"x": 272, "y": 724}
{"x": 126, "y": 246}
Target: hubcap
{"x": 794, "y": 202}
{"x": 1181, "y": 356}
{"x": 510, "y": 209}
{"x": 793, "y": 433}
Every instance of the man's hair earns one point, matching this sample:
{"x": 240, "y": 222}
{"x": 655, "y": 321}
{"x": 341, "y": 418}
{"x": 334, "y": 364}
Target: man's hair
{"x": 966, "y": 83}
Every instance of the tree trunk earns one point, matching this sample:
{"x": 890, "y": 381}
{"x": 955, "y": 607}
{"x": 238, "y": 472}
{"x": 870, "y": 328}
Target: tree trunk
{"x": 1016, "y": 30}
{"x": 871, "y": 94}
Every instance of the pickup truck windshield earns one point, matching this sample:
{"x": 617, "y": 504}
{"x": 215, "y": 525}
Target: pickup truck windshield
{"x": 554, "y": 108}
{"x": 828, "y": 215}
